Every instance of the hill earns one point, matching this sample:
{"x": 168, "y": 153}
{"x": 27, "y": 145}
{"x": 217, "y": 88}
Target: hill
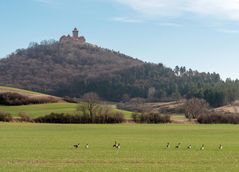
{"x": 29, "y": 94}
{"x": 72, "y": 68}
{"x": 52, "y": 67}
{"x": 231, "y": 108}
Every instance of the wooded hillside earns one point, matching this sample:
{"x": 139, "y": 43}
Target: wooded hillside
{"x": 72, "y": 69}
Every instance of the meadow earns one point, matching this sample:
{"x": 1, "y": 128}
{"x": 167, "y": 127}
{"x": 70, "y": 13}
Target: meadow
{"x": 45, "y": 109}
{"x": 49, "y": 147}
{"x": 40, "y": 109}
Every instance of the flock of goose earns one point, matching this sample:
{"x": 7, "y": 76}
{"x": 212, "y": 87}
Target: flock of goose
{"x": 190, "y": 146}
{"x": 116, "y": 145}
{"x": 78, "y": 146}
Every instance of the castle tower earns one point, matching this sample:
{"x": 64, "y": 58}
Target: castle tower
{"x": 75, "y": 33}
{"x": 75, "y": 38}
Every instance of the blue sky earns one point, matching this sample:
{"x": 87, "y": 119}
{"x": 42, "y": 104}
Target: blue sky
{"x": 199, "y": 34}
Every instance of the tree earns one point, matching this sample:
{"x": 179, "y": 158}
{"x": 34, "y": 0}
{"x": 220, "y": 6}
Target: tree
{"x": 92, "y": 100}
{"x": 151, "y": 92}
{"x": 176, "y": 70}
{"x": 195, "y": 107}
{"x": 182, "y": 70}
{"x": 215, "y": 97}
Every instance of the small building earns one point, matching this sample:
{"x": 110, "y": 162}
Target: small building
{"x": 74, "y": 38}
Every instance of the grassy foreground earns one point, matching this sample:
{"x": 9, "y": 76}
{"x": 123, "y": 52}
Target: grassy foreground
{"x": 44, "y": 147}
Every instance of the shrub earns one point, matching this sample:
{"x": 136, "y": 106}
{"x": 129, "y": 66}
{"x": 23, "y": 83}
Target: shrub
{"x": 150, "y": 118}
{"x": 5, "y": 117}
{"x": 24, "y": 118}
{"x": 54, "y": 118}
{"x": 95, "y": 112}
{"x": 9, "y": 98}
{"x": 84, "y": 118}
{"x": 173, "y": 110}
{"x": 219, "y": 118}
{"x": 41, "y": 100}
{"x": 111, "y": 118}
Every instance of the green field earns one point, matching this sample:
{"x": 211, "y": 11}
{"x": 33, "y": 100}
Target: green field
{"x": 45, "y": 147}
{"x": 45, "y": 109}
{"x": 40, "y": 109}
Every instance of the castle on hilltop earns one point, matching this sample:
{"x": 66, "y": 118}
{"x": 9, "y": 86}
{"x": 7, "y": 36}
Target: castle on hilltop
{"x": 74, "y": 38}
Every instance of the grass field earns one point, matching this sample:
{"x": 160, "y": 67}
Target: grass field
{"x": 40, "y": 109}
{"x": 44, "y": 147}
{"x": 45, "y": 109}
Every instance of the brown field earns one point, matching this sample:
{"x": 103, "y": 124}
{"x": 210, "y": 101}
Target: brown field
{"x": 29, "y": 94}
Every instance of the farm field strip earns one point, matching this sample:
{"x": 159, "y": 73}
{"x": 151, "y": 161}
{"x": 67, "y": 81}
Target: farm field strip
{"x": 45, "y": 109}
{"x": 49, "y": 147}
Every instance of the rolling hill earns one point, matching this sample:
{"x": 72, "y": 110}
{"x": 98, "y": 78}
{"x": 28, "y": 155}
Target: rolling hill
{"x": 27, "y": 93}
{"x": 36, "y": 110}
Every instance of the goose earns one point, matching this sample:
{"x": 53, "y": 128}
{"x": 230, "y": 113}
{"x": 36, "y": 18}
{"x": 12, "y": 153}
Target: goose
{"x": 115, "y": 145}
{"x": 202, "y": 147}
{"x": 118, "y": 146}
{"x": 178, "y": 146}
{"x": 220, "y": 147}
{"x": 189, "y": 147}
{"x": 76, "y": 146}
{"x": 168, "y": 145}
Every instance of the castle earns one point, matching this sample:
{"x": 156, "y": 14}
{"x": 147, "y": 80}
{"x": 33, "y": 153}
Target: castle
{"x": 74, "y": 38}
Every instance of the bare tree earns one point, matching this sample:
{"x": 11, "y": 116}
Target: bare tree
{"x": 92, "y": 100}
{"x": 195, "y": 107}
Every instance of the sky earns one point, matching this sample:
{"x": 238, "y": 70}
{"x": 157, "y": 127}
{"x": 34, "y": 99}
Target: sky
{"x": 199, "y": 34}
